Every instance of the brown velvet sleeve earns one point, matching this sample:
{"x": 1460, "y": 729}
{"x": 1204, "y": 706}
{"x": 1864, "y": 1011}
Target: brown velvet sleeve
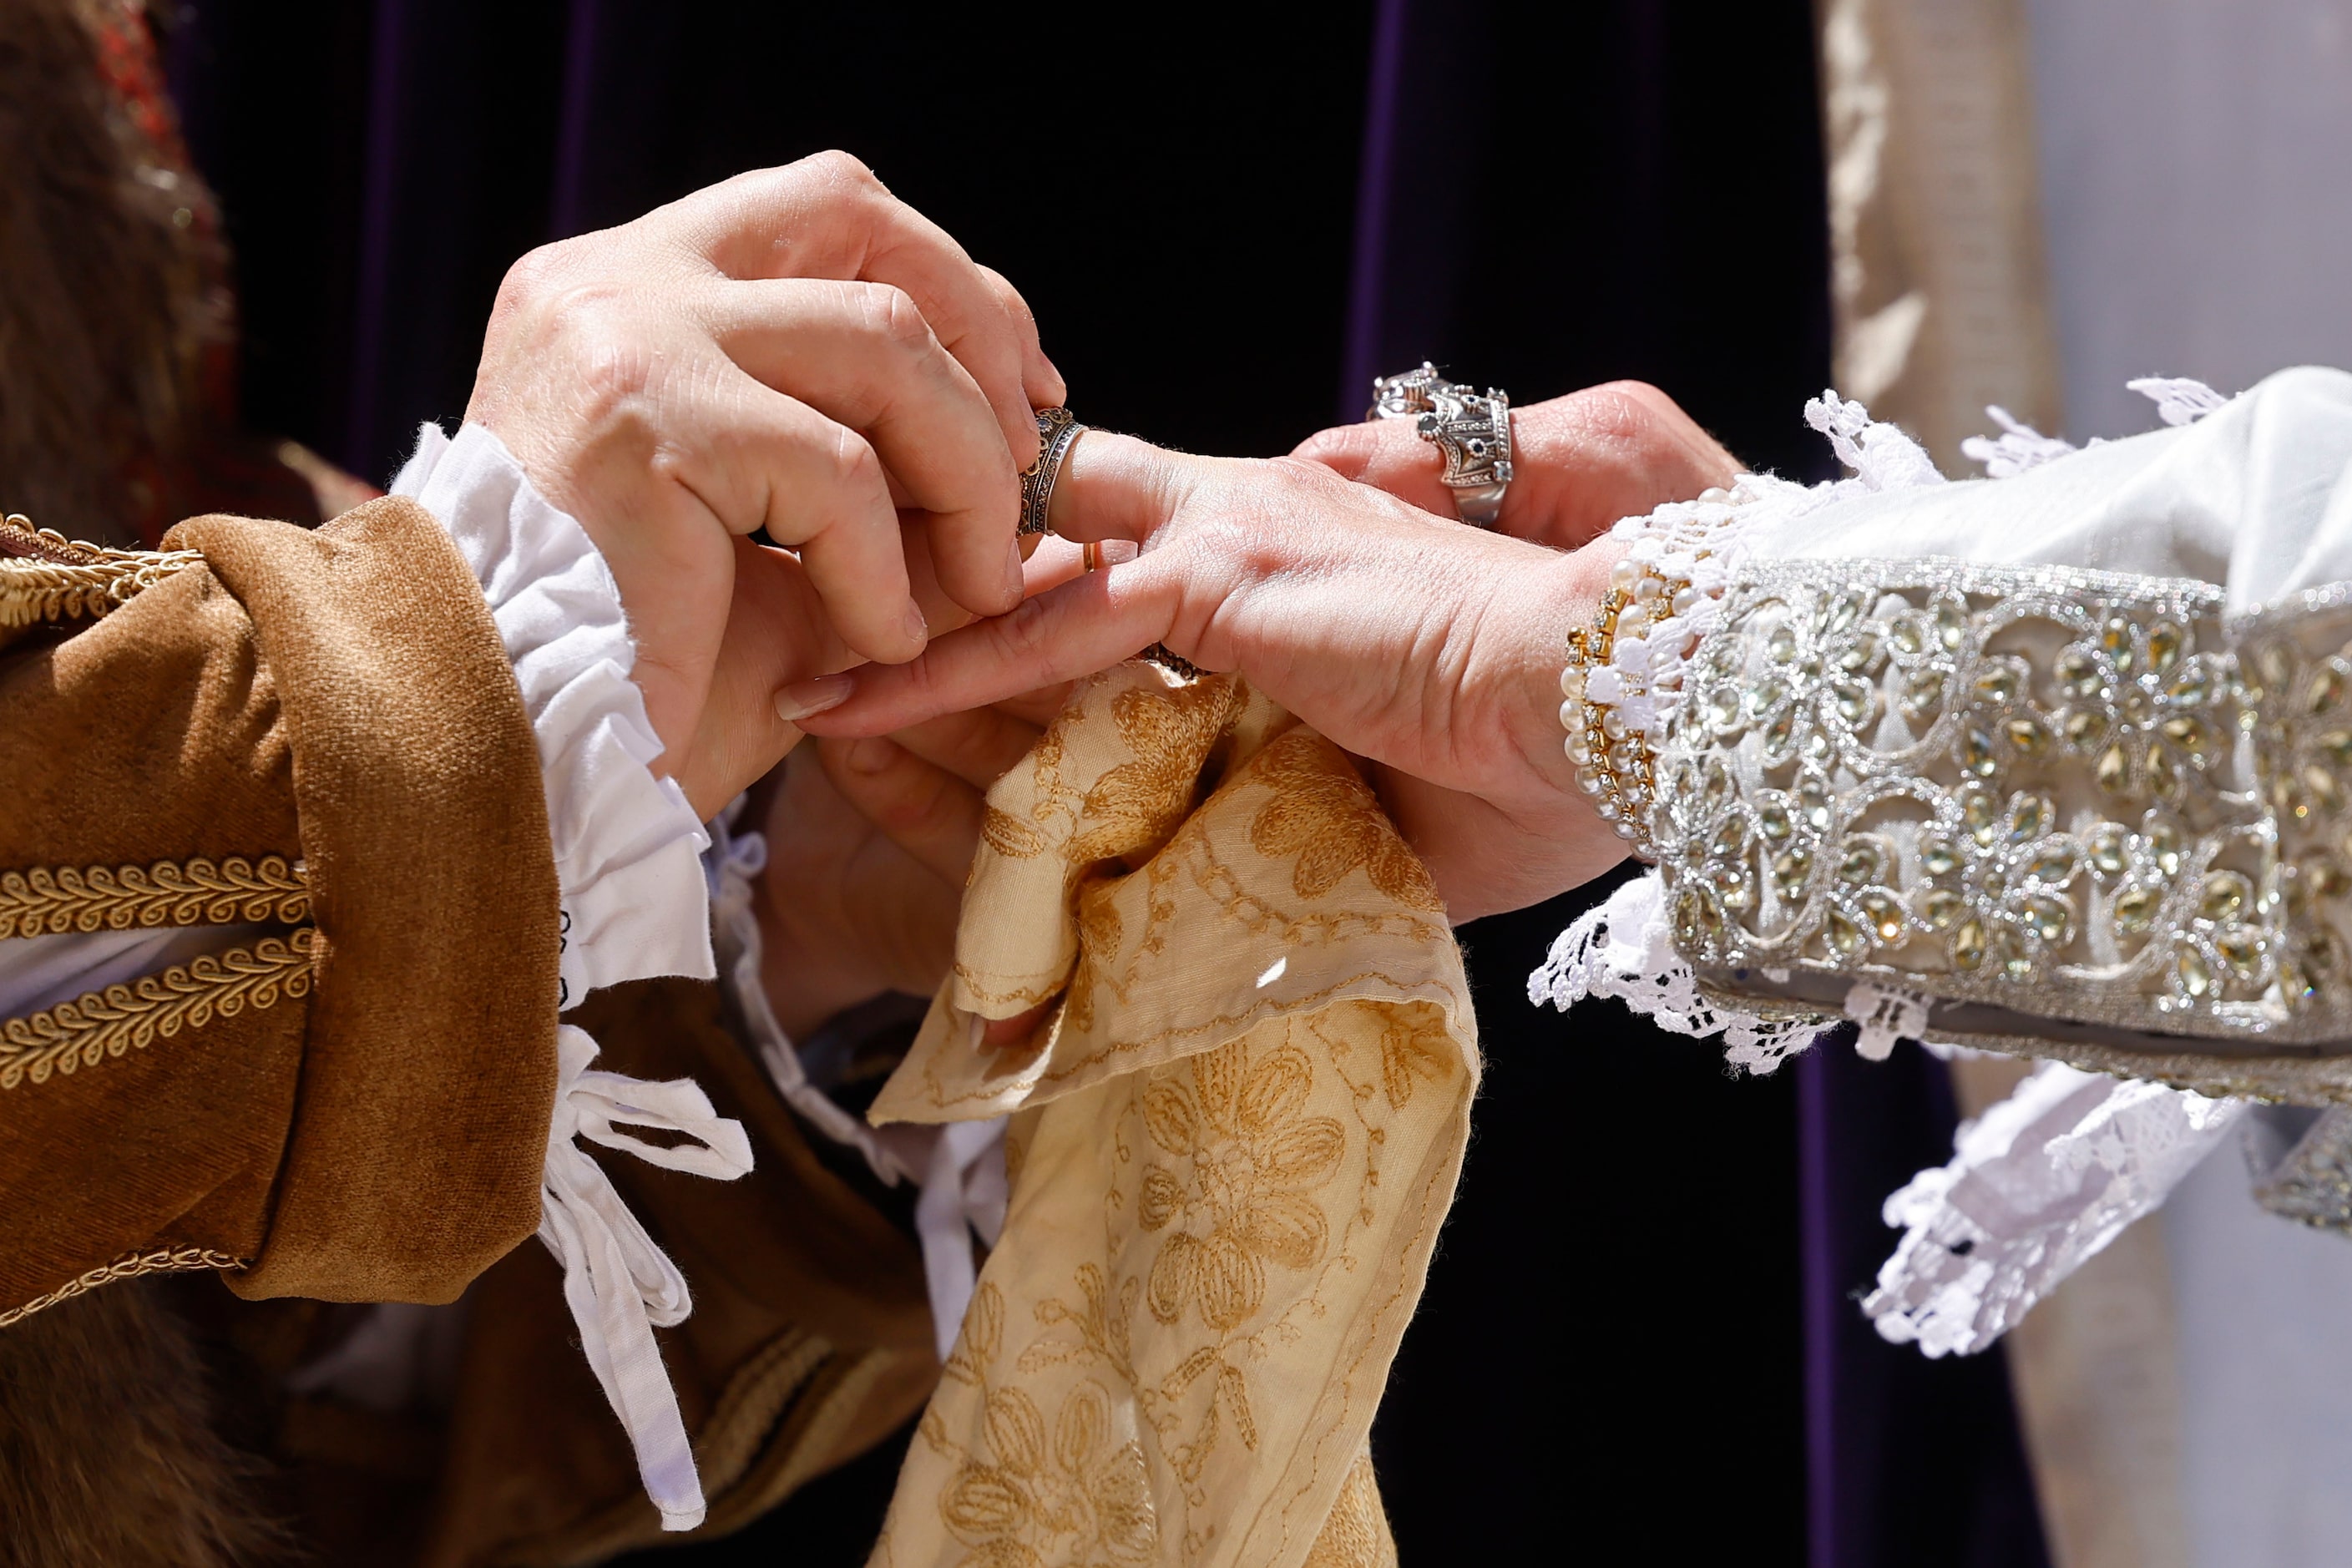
{"x": 375, "y": 1131}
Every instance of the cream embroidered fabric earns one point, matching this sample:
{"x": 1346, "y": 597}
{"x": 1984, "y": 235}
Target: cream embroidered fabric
{"x": 1232, "y": 1143}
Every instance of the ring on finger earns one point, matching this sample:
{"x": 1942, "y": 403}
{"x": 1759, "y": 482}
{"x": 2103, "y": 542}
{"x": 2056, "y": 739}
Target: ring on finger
{"x": 1473, "y": 433}
{"x": 1057, "y": 431}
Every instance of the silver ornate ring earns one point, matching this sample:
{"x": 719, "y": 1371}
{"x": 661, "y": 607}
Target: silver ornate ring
{"x": 1057, "y": 431}
{"x": 1473, "y": 430}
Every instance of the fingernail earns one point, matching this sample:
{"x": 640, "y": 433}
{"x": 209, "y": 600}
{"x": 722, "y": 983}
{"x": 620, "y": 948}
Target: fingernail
{"x": 1016, "y": 581}
{"x": 871, "y": 755}
{"x": 810, "y": 698}
{"x": 917, "y": 627}
{"x": 1118, "y": 552}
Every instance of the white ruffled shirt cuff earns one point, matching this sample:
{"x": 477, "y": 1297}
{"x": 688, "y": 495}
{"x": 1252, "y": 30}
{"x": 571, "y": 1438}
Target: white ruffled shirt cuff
{"x": 628, "y": 846}
{"x": 628, "y": 856}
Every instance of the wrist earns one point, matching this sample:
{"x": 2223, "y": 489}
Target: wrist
{"x": 1552, "y": 607}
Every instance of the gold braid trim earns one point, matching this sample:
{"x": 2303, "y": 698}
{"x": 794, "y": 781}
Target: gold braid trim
{"x": 129, "y": 1265}
{"x": 45, "y": 576}
{"x": 168, "y": 893}
{"x": 126, "y": 1017}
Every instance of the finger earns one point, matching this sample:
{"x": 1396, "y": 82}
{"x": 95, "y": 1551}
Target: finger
{"x": 828, "y": 217}
{"x": 1618, "y": 449}
{"x": 1073, "y": 630}
{"x": 1003, "y": 1032}
{"x": 863, "y": 354}
{"x": 977, "y": 745}
{"x": 1037, "y": 707}
{"x": 1388, "y": 454}
{"x": 1116, "y": 487}
{"x": 1043, "y": 384}
{"x": 775, "y": 633}
{"x": 1057, "y": 560}
{"x": 924, "y": 809}
{"x": 761, "y": 459}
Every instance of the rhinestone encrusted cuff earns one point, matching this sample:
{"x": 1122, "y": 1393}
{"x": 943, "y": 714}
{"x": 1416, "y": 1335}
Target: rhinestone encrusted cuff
{"x": 2049, "y": 793}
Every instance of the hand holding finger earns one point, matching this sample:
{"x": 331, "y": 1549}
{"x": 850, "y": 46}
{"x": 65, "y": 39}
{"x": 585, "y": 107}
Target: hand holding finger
{"x": 863, "y": 355}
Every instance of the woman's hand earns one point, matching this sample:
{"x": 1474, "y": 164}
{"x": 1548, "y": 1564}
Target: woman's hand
{"x": 1429, "y": 650}
{"x": 797, "y": 350}
{"x": 1579, "y": 462}
{"x": 869, "y": 842}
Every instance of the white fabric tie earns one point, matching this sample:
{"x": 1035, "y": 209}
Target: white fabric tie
{"x": 618, "y": 1284}
{"x": 959, "y": 1167}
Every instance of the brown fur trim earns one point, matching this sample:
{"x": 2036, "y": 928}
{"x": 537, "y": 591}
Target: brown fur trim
{"x": 108, "y": 1455}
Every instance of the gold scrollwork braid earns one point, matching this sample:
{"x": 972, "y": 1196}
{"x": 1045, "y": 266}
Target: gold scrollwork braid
{"x": 107, "y": 1023}
{"x": 129, "y": 1265}
{"x": 52, "y": 901}
{"x": 45, "y": 576}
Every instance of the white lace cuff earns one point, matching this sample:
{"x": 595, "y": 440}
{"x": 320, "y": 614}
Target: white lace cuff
{"x": 2036, "y": 1187}
{"x": 628, "y": 846}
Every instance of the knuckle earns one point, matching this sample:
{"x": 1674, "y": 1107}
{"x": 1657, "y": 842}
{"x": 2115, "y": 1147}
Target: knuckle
{"x": 888, "y": 312}
{"x": 531, "y": 278}
{"x": 854, "y": 465}
{"x": 1622, "y": 413}
{"x": 842, "y": 171}
{"x": 917, "y": 805}
{"x": 612, "y": 374}
{"x": 1025, "y": 630}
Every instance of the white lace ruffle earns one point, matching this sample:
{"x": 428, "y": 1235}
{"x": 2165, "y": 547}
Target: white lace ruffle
{"x": 628, "y": 846}
{"x": 2019, "y": 447}
{"x": 1623, "y": 948}
{"x": 2035, "y": 1188}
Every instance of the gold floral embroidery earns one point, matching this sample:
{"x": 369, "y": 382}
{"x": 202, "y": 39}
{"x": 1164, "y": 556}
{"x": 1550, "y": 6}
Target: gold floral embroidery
{"x": 43, "y": 576}
{"x": 1413, "y": 1044}
{"x": 1323, "y": 814}
{"x": 161, "y": 1260}
{"x": 1080, "y": 1496}
{"x": 169, "y": 892}
{"x": 1249, "y": 1156}
{"x": 1136, "y": 805}
{"x": 1011, "y": 836}
{"x": 107, "y": 1023}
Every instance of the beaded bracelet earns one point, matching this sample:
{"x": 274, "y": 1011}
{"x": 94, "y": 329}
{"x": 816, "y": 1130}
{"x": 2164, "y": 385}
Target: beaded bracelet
{"x": 1615, "y": 761}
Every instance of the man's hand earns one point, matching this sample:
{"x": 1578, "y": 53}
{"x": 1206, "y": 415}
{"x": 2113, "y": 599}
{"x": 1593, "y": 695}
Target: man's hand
{"x": 794, "y": 351}
{"x": 1580, "y": 462}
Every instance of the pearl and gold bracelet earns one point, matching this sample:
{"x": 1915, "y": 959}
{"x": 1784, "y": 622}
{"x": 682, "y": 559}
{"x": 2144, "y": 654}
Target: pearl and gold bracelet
{"x": 1615, "y": 759}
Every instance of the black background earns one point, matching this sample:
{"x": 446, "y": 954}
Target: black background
{"x": 1610, "y": 1346}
